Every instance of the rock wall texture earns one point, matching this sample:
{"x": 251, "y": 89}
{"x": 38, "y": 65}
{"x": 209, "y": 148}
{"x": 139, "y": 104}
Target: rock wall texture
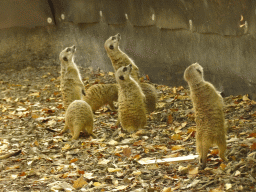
{"x": 162, "y": 37}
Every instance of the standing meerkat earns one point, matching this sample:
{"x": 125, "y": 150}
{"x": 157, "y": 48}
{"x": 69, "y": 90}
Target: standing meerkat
{"x": 118, "y": 57}
{"x": 131, "y": 100}
{"x": 208, "y": 105}
{"x": 72, "y": 87}
{"x": 100, "y": 94}
{"x": 78, "y": 118}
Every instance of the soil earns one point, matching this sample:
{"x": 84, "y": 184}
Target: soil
{"x": 32, "y": 116}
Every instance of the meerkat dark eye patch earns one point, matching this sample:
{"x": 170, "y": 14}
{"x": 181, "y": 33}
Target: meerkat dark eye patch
{"x": 113, "y": 38}
{"x": 124, "y": 69}
{"x": 111, "y": 47}
{"x": 199, "y": 71}
{"x": 83, "y": 92}
{"x": 65, "y": 58}
{"x": 68, "y": 49}
{"x": 121, "y": 77}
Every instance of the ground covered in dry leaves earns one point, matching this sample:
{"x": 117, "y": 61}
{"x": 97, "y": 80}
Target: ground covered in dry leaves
{"x": 32, "y": 117}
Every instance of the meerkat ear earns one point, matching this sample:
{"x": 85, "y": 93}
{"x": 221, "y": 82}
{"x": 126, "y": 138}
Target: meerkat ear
{"x": 121, "y": 77}
{"x": 111, "y": 47}
{"x": 65, "y": 58}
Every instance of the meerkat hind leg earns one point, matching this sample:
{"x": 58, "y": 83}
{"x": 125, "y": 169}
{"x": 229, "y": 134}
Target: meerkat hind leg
{"x": 112, "y": 107}
{"x": 76, "y": 132}
{"x": 64, "y": 129}
{"x": 203, "y": 149}
{"x": 222, "y": 148}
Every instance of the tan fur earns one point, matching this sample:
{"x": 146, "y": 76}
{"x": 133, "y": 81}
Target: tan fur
{"x": 72, "y": 87}
{"x": 100, "y": 94}
{"x": 78, "y": 118}
{"x": 131, "y": 100}
{"x": 208, "y": 105}
{"x": 119, "y": 58}
{"x": 151, "y": 96}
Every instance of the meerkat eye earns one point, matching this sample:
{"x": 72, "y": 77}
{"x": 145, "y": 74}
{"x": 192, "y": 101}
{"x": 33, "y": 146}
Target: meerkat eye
{"x": 121, "y": 77}
{"x": 113, "y": 38}
{"x": 68, "y": 49}
{"x": 65, "y": 58}
{"x": 111, "y": 47}
{"x": 124, "y": 69}
{"x": 199, "y": 71}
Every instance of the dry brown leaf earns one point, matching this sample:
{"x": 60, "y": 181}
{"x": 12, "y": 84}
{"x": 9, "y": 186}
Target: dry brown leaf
{"x": 193, "y": 171}
{"x": 147, "y": 77}
{"x": 215, "y": 152}
{"x": 178, "y": 147}
{"x": 66, "y": 146}
{"x": 127, "y": 152}
{"x": 35, "y": 116}
{"x": 73, "y": 160}
{"x": 36, "y": 143}
{"x": 253, "y": 147}
{"x": 136, "y": 157}
{"x": 22, "y": 174}
{"x": 140, "y": 142}
{"x": 97, "y": 184}
{"x": 79, "y": 183}
{"x": 252, "y": 135}
{"x": 170, "y": 119}
{"x": 80, "y": 172}
{"x": 169, "y": 189}
{"x": 176, "y": 137}
{"x": 223, "y": 166}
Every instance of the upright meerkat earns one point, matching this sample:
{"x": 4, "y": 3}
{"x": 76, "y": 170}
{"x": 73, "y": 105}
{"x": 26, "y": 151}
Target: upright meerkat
{"x": 78, "y": 118}
{"x": 208, "y": 105}
{"x": 100, "y": 94}
{"x": 118, "y": 57}
{"x": 131, "y": 100}
{"x": 72, "y": 87}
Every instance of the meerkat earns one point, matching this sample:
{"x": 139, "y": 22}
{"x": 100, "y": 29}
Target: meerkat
{"x": 72, "y": 87}
{"x": 78, "y": 118}
{"x": 100, "y": 94}
{"x": 131, "y": 101}
{"x": 209, "y": 115}
{"x": 150, "y": 96}
{"x": 118, "y": 57}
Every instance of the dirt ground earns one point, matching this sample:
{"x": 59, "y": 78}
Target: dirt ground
{"x": 32, "y": 116}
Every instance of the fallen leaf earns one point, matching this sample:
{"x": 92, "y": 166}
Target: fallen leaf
{"x": 178, "y": 147}
{"x": 253, "y": 147}
{"x": 127, "y": 152}
{"x": 79, "y": 183}
{"x": 73, "y": 160}
{"x": 66, "y": 147}
{"x": 111, "y": 170}
{"x": 176, "y": 137}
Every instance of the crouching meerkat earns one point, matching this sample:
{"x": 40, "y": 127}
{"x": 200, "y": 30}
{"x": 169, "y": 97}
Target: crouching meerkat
{"x": 131, "y": 100}
{"x": 150, "y": 95}
{"x": 100, "y": 94}
{"x": 71, "y": 84}
{"x": 209, "y": 115}
{"x": 78, "y": 118}
{"x": 118, "y": 57}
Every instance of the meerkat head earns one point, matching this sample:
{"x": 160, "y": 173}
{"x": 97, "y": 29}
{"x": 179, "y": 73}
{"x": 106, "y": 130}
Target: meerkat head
{"x": 67, "y": 54}
{"x": 194, "y": 74}
{"x": 112, "y": 44}
{"x": 123, "y": 73}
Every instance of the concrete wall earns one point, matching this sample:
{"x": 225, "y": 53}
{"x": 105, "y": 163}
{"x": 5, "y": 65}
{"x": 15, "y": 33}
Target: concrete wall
{"x": 162, "y": 37}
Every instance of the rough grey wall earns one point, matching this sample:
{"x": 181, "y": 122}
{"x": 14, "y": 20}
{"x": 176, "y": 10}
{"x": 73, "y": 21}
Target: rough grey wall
{"x": 163, "y": 37}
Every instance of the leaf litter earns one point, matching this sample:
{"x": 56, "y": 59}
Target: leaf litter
{"x": 32, "y": 116}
